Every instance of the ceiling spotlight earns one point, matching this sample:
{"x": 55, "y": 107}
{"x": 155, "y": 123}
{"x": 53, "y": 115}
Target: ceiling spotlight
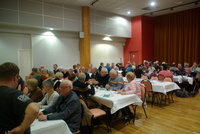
{"x": 51, "y": 29}
{"x": 128, "y": 12}
{"x": 153, "y": 4}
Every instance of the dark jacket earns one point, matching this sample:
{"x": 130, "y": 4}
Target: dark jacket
{"x": 68, "y": 109}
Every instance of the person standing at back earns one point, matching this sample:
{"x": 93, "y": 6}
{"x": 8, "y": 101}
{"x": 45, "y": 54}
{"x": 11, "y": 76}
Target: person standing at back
{"x": 17, "y": 110}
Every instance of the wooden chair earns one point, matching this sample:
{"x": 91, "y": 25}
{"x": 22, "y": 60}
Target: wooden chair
{"x": 143, "y": 98}
{"x": 149, "y": 90}
{"x": 161, "y": 77}
{"x": 154, "y": 78}
{"x": 97, "y": 114}
{"x": 168, "y": 79}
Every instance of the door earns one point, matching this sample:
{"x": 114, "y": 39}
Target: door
{"x": 24, "y": 62}
{"x": 134, "y": 57}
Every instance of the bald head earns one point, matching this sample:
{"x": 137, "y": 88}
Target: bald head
{"x": 65, "y": 87}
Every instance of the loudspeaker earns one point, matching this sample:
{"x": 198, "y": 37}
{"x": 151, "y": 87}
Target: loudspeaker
{"x": 81, "y": 34}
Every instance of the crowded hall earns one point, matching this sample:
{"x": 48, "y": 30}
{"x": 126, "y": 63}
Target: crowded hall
{"x": 99, "y": 66}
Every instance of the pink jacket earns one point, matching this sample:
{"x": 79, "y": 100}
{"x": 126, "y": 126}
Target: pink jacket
{"x": 132, "y": 88}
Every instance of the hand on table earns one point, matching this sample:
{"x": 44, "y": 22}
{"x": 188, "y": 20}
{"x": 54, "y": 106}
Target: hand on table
{"x": 42, "y": 117}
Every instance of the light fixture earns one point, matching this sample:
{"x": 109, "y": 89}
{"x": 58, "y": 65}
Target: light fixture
{"x": 128, "y": 12}
{"x": 153, "y": 4}
{"x": 51, "y": 29}
{"x": 107, "y": 39}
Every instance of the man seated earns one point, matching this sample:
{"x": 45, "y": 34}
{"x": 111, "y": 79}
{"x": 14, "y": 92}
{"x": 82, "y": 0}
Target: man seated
{"x": 83, "y": 70}
{"x": 165, "y": 72}
{"x": 17, "y": 110}
{"x": 95, "y": 74}
{"x": 80, "y": 86}
{"x": 67, "y": 107}
{"x": 115, "y": 81}
{"x": 102, "y": 80}
{"x": 50, "y": 96}
{"x": 179, "y": 70}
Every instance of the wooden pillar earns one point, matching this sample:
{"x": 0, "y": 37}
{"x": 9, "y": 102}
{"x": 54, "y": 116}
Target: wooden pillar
{"x": 85, "y": 42}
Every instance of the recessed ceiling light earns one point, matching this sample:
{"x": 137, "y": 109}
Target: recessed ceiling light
{"x": 128, "y": 12}
{"x": 51, "y": 29}
{"x": 153, "y": 4}
{"x": 107, "y": 39}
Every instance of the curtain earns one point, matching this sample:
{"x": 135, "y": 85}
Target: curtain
{"x": 177, "y": 37}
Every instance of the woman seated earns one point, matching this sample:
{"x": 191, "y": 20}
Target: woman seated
{"x": 50, "y": 96}
{"x": 132, "y": 87}
{"x": 34, "y": 92}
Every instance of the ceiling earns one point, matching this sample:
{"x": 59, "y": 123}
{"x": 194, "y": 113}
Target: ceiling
{"x": 121, "y": 7}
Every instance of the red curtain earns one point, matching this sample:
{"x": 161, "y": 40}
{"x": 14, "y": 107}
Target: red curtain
{"x": 177, "y": 37}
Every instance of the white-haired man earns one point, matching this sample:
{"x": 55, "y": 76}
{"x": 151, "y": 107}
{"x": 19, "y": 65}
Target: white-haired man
{"x": 115, "y": 81}
{"x": 67, "y": 107}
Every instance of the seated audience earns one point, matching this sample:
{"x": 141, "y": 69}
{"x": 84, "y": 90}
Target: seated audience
{"x": 65, "y": 73}
{"x": 67, "y": 107}
{"x": 83, "y": 70}
{"x": 138, "y": 71}
{"x": 101, "y": 66}
{"x": 115, "y": 81}
{"x": 129, "y": 68}
{"x": 90, "y": 68}
{"x": 51, "y": 74}
{"x": 17, "y": 110}
{"x": 179, "y": 70}
{"x": 44, "y": 73}
{"x": 34, "y": 92}
{"x": 108, "y": 67}
{"x": 36, "y": 75}
{"x": 72, "y": 77}
{"x": 102, "y": 80}
{"x": 95, "y": 74}
{"x": 50, "y": 96}
{"x": 166, "y": 72}
{"x": 80, "y": 87}
{"x": 57, "y": 81}
{"x": 132, "y": 87}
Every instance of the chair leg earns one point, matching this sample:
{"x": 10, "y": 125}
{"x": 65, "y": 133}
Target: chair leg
{"x": 134, "y": 110}
{"x": 144, "y": 111}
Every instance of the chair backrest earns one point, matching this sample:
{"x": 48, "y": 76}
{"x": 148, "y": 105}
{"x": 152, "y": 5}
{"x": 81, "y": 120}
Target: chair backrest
{"x": 161, "y": 77}
{"x": 143, "y": 93}
{"x": 198, "y": 76}
{"x": 144, "y": 77}
{"x": 147, "y": 85}
{"x": 154, "y": 78}
{"x": 168, "y": 79}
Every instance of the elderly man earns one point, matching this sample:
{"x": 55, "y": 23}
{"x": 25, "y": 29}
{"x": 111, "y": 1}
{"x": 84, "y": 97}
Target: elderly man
{"x": 17, "y": 110}
{"x": 102, "y": 80}
{"x": 83, "y": 70}
{"x": 115, "y": 81}
{"x": 67, "y": 107}
{"x": 95, "y": 74}
{"x": 81, "y": 88}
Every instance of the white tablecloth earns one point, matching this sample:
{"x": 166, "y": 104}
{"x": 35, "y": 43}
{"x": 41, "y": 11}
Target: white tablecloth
{"x": 162, "y": 86}
{"x": 179, "y": 79}
{"x": 115, "y": 101}
{"x": 50, "y": 127}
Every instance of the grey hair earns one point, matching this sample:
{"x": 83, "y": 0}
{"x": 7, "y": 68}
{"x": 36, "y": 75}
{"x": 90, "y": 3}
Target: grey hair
{"x": 105, "y": 69}
{"x": 48, "y": 82}
{"x": 113, "y": 72}
{"x": 69, "y": 83}
{"x": 81, "y": 76}
{"x": 50, "y": 73}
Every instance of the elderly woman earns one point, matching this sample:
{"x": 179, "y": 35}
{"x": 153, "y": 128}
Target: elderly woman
{"x": 50, "y": 96}
{"x": 34, "y": 92}
{"x": 132, "y": 87}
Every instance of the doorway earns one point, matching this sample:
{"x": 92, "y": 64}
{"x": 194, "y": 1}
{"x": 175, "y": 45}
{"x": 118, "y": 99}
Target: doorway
{"x": 24, "y": 62}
